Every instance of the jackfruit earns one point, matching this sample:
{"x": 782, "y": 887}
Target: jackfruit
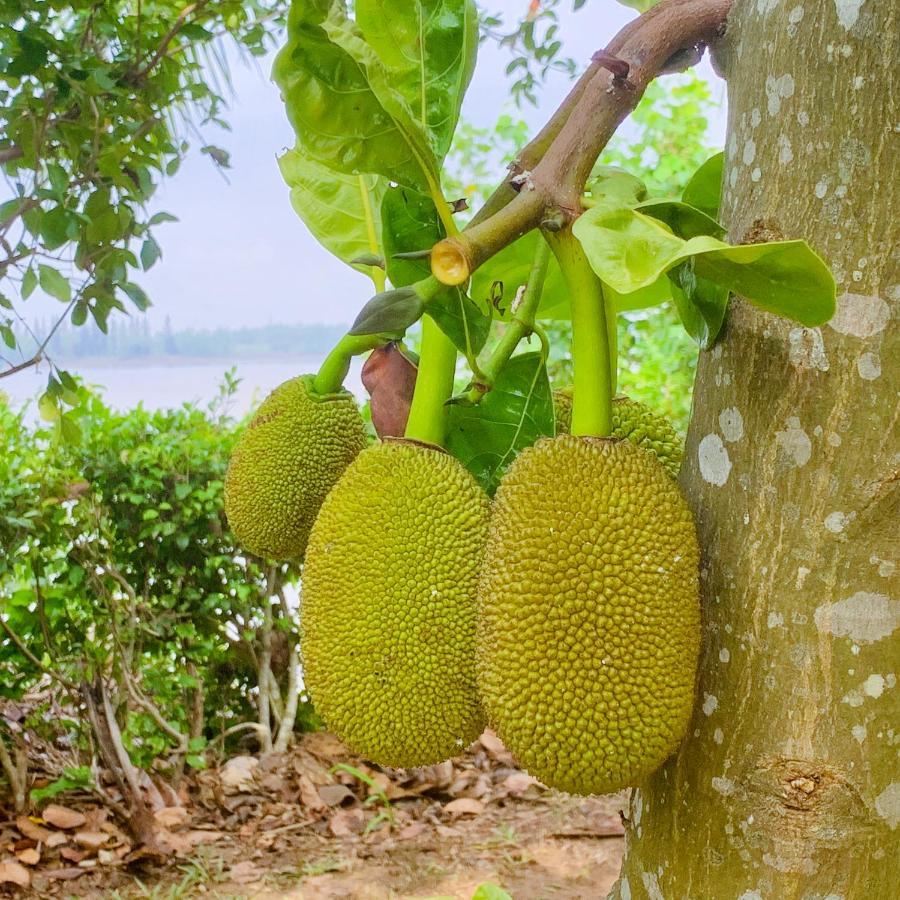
{"x": 388, "y": 615}
{"x": 293, "y": 451}
{"x": 632, "y": 420}
{"x": 589, "y": 630}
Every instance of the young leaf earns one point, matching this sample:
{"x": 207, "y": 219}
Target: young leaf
{"x": 486, "y": 438}
{"x": 701, "y": 304}
{"x": 429, "y": 49}
{"x": 460, "y": 319}
{"x": 704, "y": 190}
{"x": 390, "y": 312}
{"x": 339, "y": 119}
{"x": 55, "y": 284}
{"x": 630, "y": 250}
{"x": 341, "y": 211}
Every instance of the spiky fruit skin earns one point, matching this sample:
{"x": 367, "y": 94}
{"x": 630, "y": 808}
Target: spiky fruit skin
{"x": 388, "y": 615}
{"x": 589, "y": 630}
{"x": 292, "y": 453}
{"x": 632, "y": 421}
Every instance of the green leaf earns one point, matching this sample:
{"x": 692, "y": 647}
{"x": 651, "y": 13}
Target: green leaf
{"x": 701, "y": 304}
{"x": 29, "y": 283}
{"x": 48, "y": 407}
{"x": 341, "y": 211}
{"x": 8, "y": 337}
{"x": 682, "y": 219}
{"x": 610, "y": 185}
{"x": 328, "y": 76}
{"x": 629, "y": 250}
{"x": 150, "y": 252}
{"x": 410, "y": 223}
{"x": 390, "y": 312}
{"x": 55, "y": 284}
{"x": 461, "y": 320}
{"x": 428, "y": 48}
{"x": 137, "y": 295}
{"x": 704, "y": 190}
{"x": 489, "y": 891}
{"x": 653, "y": 295}
{"x": 487, "y": 437}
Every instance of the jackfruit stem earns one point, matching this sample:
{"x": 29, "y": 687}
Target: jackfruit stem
{"x": 593, "y": 355}
{"x": 333, "y": 371}
{"x": 521, "y": 325}
{"x": 427, "y": 420}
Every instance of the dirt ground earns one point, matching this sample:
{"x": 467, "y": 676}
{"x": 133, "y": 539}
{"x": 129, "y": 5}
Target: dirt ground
{"x": 317, "y": 823}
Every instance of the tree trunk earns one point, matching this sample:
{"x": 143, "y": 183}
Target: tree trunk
{"x": 786, "y": 786}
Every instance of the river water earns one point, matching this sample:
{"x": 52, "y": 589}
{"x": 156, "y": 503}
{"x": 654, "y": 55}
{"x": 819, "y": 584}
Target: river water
{"x": 167, "y": 384}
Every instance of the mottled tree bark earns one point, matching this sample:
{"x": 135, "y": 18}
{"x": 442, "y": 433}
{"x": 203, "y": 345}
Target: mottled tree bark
{"x": 786, "y": 787}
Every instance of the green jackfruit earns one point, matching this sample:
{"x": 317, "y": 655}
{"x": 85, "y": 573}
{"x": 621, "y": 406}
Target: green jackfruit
{"x": 388, "y": 615}
{"x": 589, "y": 628}
{"x": 632, "y": 420}
{"x": 293, "y": 451}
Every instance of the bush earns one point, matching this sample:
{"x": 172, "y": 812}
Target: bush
{"x": 125, "y": 605}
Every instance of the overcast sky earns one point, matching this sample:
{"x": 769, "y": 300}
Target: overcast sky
{"x": 240, "y": 256}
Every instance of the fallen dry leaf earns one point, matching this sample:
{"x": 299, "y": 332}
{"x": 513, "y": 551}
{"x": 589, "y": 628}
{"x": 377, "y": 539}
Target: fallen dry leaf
{"x": 32, "y": 830}
{"x": 57, "y": 839}
{"x": 464, "y": 806}
{"x": 245, "y": 872}
{"x": 71, "y": 854}
{"x": 91, "y": 840}
{"x": 237, "y": 774}
{"x": 309, "y": 796}
{"x": 346, "y": 822}
{"x": 66, "y": 874}
{"x": 413, "y": 830}
{"x": 519, "y": 782}
{"x": 492, "y": 743}
{"x": 14, "y": 873}
{"x": 30, "y": 857}
{"x": 336, "y": 795}
{"x": 63, "y": 817}
{"x": 172, "y": 817}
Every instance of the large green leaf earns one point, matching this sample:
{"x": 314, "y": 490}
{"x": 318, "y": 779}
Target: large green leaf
{"x": 704, "y": 190}
{"x": 682, "y": 219}
{"x": 629, "y": 251}
{"x": 701, "y": 304}
{"x": 341, "y": 211}
{"x": 487, "y": 437}
{"x": 340, "y": 101}
{"x": 410, "y": 223}
{"x": 429, "y": 49}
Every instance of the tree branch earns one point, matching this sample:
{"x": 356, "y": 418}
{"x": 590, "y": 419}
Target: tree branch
{"x": 550, "y": 194}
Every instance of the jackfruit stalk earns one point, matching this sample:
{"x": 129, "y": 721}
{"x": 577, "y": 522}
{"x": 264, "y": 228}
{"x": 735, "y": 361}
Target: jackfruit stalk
{"x": 633, "y": 421}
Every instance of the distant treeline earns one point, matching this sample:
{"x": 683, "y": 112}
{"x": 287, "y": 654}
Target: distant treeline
{"x": 133, "y": 338}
